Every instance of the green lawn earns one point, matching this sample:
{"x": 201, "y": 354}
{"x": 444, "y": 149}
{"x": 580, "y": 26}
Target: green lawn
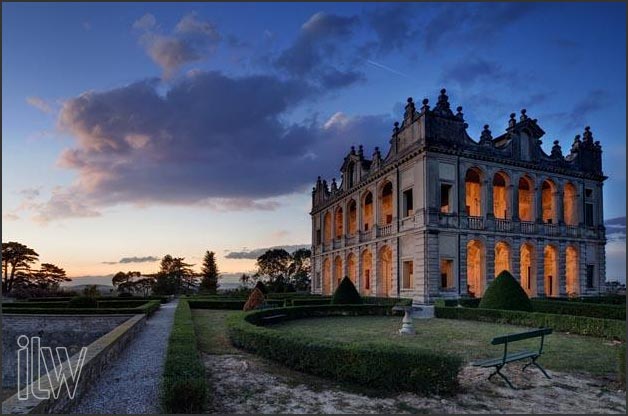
{"x": 468, "y": 339}
{"x": 211, "y": 331}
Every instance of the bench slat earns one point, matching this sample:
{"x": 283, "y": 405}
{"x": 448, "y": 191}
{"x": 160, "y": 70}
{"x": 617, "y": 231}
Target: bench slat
{"x": 491, "y": 362}
{"x": 521, "y": 335}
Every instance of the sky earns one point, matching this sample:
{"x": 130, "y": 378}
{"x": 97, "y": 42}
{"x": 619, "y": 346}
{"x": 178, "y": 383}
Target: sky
{"x": 135, "y": 130}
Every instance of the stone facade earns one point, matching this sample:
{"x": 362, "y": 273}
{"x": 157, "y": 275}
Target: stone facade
{"x": 442, "y": 214}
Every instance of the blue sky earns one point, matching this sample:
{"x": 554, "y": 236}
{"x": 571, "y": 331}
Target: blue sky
{"x": 138, "y": 129}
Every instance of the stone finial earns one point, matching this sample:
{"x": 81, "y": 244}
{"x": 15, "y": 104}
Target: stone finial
{"x": 459, "y": 113}
{"x": 425, "y": 106}
{"x": 587, "y": 135}
{"x": 360, "y": 151}
{"x": 334, "y": 185}
{"x": 410, "y": 109}
{"x": 376, "y": 153}
{"x": 443, "y": 100}
{"x": 395, "y": 128}
{"x": 557, "y": 152}
{"x": 352, "y": 150}
{"x": 523, "y": 117}
{"x": 512, "y": 121}
{"x": 486, "y": 136}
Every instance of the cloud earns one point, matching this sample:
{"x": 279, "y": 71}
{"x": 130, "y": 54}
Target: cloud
{"x": 209, "y": 140}
{"x": 191, "y": 40}
{"x": 126, "y": 260}
{"x": 253, "y": 254}
{"x": 9, "y": 216}
{"x": 30, "y": 193}
{"x": 580, "y": 113}
{"x": 40, "y": 104}
{"x": 470, "y": 70}
{"x": 316, "y": 50}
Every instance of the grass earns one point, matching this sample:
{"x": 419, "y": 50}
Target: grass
{"x": 211, "y": 331}
{"x": 467, "y": 339}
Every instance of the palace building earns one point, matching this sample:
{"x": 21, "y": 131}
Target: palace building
{"x": 441, "y": 215}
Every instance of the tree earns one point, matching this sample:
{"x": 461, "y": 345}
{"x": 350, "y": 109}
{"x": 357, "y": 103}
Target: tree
{"x": 123, "y": 282}
{"x": 282, "y": 271}
{"x": 91, "y": 291}
{"x": 144, "y": 286}
{"x": 16, "y": 261}
{"x": 174, "y": 276}
{"x": 209, "y": 273}
{"x": 48, "y": 276}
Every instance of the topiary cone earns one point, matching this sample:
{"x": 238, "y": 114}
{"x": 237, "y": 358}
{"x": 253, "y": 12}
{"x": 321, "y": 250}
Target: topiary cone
{"x": 506, "y": 293}
{"x": 255, "y": 300}
{"x": 346, "y": 293}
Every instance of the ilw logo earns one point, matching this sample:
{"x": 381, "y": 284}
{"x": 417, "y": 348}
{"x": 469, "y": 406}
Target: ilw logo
{"x": 35, "y": 360}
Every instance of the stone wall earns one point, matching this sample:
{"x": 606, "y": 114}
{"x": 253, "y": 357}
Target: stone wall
{"x": 109, "y": 335}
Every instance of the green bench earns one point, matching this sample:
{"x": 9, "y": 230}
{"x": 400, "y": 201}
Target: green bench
{"x": 507, "y": 357}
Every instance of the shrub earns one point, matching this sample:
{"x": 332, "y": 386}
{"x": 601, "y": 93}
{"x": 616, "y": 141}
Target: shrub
{"x": 346, "y": 293}
{"x": 603, "y": 328}
{"x": 505, "y": 293}
{"x": 310, "y": 301}
{"x": 375, "y": 300}
{"x": 125, "y": 295}
{"x": 378, "y": 365}
{"x": 604, "y": 311}
{"x": 184, "y": 388}
{"x": 254, "y": 301}
{"x": 83, "y": 302}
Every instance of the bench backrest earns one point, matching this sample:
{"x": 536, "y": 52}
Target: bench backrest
{"x": 520, "y": 336}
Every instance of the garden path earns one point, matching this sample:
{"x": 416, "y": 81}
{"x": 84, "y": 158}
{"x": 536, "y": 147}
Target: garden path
{"x": 131, "y": 384}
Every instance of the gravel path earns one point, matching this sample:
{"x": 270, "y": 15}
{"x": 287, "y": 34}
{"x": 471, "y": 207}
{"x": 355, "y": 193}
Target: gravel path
{"x": 131, "y": 384}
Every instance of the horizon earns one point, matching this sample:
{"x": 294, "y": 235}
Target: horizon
{"x": 181, "y": 130}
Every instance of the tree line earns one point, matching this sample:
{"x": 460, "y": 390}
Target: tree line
{"x": 18, "y": 273}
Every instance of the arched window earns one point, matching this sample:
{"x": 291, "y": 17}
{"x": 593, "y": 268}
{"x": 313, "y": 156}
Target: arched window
{"x": 352, "y": 271}
{"x": 366, "y": 282}
{"x": 547, "y": 201}
{"x": 327, "y": 227}
{"x": 571, "y": 271}
{"x": 473, "y": 192}
{"x": 501, "y": 205}
{"x": 386, "y": 204}
{"x": 502, "y": 257}
{"x": 526, "y": 199}
{"x": 551, "y": 271}
{"x": 528, "y": 269}
{"x": 353, "y": 217}
{"x": 476, "y": 281}
{"x": 570, "y": 204}
{"x": 367, "y": 211}
{"x": 384, "y": 275}
{"x": 338, "y": 222}
{"x": 326, "y": 277}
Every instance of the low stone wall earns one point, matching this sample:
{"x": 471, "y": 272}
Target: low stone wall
{"x": 100, "y": 352}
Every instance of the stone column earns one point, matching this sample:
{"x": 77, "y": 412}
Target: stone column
{"x": 376, "y": 209}
{"x": 395, "y": 274}
{"x": 462, "y": 191}
{"x": 358, "y": 271}
{"x": 538, "y": 203}
{"x": 433, "y": 265}
{"x": 540, "y": 268}
{"x": 582, "y": 267}
{"x": 515, "y": 259}
{"x": 559, "y": 204}
{"x": 490, "y": 260}
{"x": 514, "y": 200}
{"x": 562, "y": 268}
{"x": 462, "y": 265}
{"x": 580, "y": 203}
{"x": 601, "y": 267}
{"x": 487, "y": 184}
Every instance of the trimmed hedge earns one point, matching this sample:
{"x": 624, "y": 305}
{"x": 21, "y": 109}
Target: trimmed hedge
{"x": 162, "y": 299}
{"x": 184, "y": 387}
{"x": 227, "y": 303}
{"x": 605, "y": 299}
{"x": 604, "y": 311}
{"x": 146, "y": 308}
{"x": 82, "y": 302}
{"x": 582, "y": 325}
{"x": 377, "y": 365}
{"x": 311, "y": 301}
{"x": 379, "y": 300}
